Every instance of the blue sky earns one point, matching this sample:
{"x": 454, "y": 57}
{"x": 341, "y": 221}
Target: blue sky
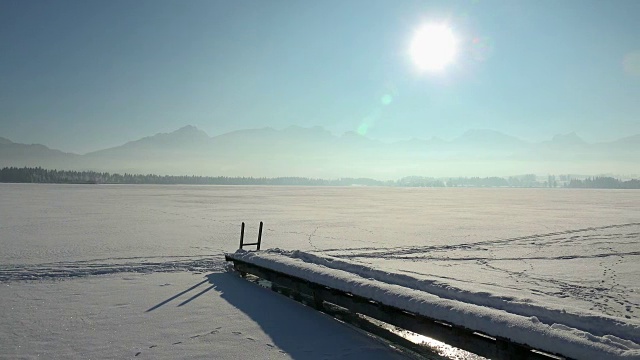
{"x": 84, "y": 75}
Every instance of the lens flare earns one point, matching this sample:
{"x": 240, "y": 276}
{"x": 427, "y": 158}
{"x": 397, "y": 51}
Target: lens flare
{"x": 481, "y": 48}
{"x": 363, "y": 128}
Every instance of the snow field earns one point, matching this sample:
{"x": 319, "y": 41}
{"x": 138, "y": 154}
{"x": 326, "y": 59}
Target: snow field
{"x": 556, "y": 254}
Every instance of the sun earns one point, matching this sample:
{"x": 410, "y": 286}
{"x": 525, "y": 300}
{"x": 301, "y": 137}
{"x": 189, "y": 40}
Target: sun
{"x": 433, "y": 47}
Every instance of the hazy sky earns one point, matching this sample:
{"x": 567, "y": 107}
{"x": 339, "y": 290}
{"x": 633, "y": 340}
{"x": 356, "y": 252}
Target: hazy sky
{"x": 84, "y": 75}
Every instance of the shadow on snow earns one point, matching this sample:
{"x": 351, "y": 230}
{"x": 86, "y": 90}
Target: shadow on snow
{"x": 301, "y": 332}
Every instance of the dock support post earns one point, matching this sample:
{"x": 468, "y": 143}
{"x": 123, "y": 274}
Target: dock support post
{"x": 259, "y": 236}
{"x": 242, "y": 235}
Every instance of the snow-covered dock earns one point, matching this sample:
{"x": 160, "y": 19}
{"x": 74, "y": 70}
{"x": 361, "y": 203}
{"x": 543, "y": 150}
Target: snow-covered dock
{"x": 486, "y": 331}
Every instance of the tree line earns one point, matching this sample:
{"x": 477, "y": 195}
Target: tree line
{"x": 40, "y": 175}
{"x": 604, "y": 182}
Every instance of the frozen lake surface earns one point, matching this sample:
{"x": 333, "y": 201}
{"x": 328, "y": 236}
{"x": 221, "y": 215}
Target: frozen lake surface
{"x": 570, "y": 254}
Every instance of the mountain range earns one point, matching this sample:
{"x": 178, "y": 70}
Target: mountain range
{"x": 316, "y": 152}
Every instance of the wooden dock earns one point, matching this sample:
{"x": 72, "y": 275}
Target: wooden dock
{"x": 350, "y": 308}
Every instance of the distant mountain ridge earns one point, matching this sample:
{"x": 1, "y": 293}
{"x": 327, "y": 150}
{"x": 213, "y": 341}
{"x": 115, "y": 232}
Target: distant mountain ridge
{"x": 27, "y": 154}
{"x": 299, "y": 151}
{"x": 4, "y": 141}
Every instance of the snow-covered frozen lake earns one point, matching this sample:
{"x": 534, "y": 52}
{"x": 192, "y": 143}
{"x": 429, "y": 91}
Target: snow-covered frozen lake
{"x": 106, "y": 271}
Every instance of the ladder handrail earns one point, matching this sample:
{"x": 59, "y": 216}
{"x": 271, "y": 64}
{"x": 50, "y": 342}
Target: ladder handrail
{"x": 243, "y": 244}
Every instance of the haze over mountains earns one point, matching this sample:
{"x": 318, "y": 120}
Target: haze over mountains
{"x": 316, "y": 152}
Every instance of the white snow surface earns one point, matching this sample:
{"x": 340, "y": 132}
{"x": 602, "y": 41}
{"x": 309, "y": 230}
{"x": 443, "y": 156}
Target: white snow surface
{"x": 566, "y": 257}
{"x": 553, "y": 337}
{"x": 177, "y": 315}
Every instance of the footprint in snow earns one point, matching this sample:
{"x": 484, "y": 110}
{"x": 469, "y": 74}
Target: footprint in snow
{"x": 152, "y": 346}
{"x": 236, "y": 332}
{"x": 138, "y": 353}
{"x": 176, "y": 343}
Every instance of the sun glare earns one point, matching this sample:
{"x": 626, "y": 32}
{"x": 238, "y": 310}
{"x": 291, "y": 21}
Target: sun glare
{"x": 433, "y": 47}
